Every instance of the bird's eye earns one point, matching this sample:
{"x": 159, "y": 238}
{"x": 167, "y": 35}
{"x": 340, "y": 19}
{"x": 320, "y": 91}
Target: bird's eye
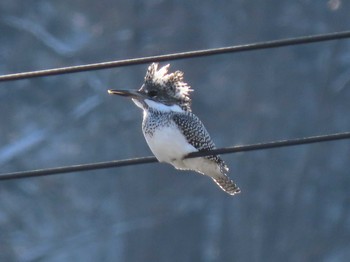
{"x": 152, "y": 93}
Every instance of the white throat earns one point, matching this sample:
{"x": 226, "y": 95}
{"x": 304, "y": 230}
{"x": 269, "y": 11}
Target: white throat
{"x": 163, "y": 108}
{"x": 137, "y": 102}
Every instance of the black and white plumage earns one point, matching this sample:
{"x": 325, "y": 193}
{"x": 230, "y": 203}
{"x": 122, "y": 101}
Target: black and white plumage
{"x": 170, "y": 128}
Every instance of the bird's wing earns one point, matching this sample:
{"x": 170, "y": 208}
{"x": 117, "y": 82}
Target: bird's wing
{"x": 194, "y": 131}
{"x": 197, "y": 135}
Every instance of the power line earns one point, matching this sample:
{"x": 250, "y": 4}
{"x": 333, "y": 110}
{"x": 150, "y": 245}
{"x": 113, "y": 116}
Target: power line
{"x": 273, "y": 144}
{"x": 176, "y": 56}
{"x": 150, "y": 159}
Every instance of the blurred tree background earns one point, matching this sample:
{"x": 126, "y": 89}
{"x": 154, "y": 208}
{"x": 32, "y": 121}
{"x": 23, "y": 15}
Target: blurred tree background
{"x": 294, "y": 204}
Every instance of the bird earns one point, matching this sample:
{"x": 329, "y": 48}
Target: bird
{"x": 170, "y": 128}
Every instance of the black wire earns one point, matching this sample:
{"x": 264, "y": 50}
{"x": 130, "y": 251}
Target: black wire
{"x": 175, "y": 56}
{"x": 76, "y": 168}
{"x": 274, "y": 144}
{"x": 145, "y": 160}
{"x": 198, "y": 53}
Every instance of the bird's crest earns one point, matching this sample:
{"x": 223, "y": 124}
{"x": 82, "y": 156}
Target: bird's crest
{"x": 172, "y": 83}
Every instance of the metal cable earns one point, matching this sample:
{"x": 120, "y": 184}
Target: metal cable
{"x": 176, "y": 56}
{"x": 150, "y": 159}
{"x": 183, "y": 55}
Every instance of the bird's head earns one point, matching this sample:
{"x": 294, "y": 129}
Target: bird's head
{"x": 160, "y": 90}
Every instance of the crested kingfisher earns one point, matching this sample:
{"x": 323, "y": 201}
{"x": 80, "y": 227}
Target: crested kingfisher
{"x": 171, "y": 129}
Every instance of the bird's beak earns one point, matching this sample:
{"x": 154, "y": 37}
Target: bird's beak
{"x": 128, "y": 93}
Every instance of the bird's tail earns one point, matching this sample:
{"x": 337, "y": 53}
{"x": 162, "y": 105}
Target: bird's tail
{"x": 226, "y": 184}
